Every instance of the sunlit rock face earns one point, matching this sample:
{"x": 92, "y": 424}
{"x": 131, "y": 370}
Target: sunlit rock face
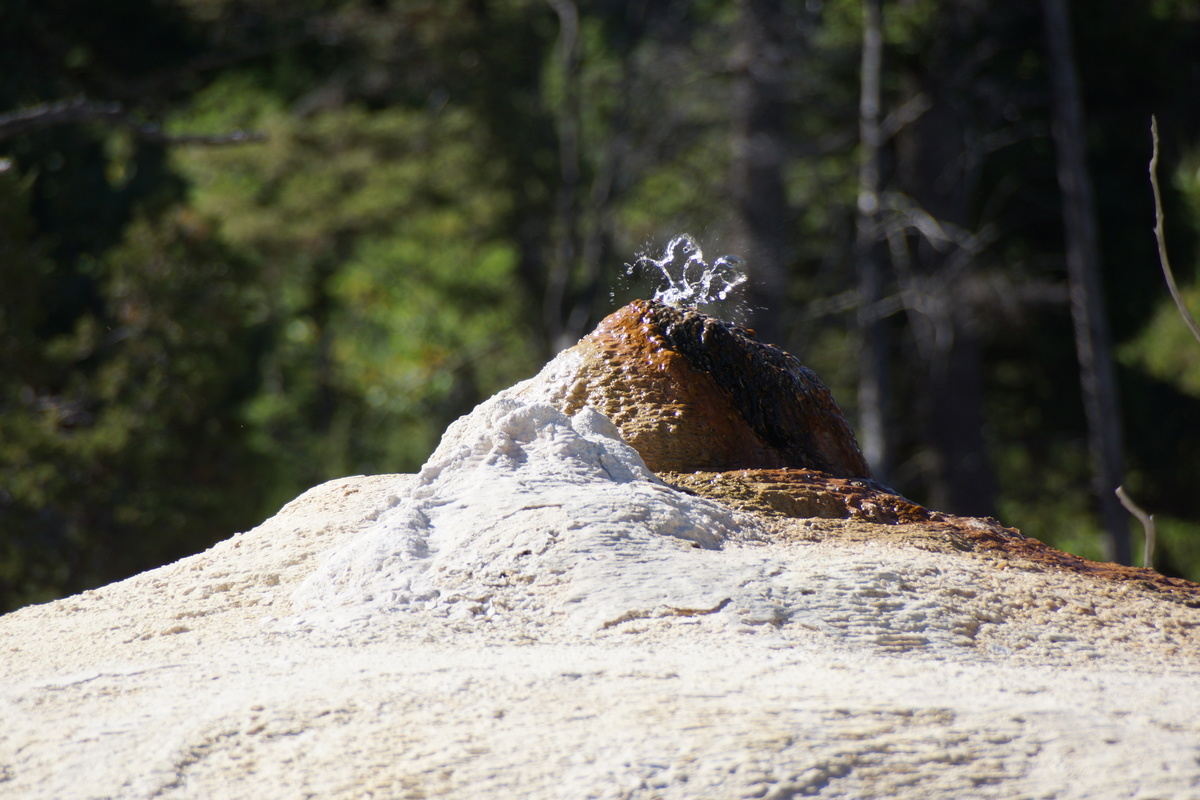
{"x": 536, "y": 615}
{"x": 692, "y": 392}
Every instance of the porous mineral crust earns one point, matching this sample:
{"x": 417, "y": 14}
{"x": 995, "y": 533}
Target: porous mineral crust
{"x": 717, "y": 413}
{"x": 856, "y": 510}
{"x": 692, "y": 392}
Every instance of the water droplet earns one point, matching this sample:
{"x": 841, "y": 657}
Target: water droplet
{"x": 689, "y": 280}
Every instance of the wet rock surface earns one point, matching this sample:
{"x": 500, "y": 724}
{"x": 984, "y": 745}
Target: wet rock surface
{"x": 692, "y": 392}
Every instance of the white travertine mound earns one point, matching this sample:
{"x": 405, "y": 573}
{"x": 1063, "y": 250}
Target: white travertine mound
{"x": 535, "y": 615}
{"x": 518, "y": 493}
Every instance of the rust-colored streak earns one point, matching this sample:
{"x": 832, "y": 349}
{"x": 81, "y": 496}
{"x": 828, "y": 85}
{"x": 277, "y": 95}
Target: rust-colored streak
{"x": 808, "y": 494}
{"x": 782, "y": 401}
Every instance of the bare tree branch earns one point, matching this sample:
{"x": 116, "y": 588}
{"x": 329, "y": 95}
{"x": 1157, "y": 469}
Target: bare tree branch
{"x": 1093, "y": 344}
{"x": 873, "y": 379}
{"x": 1159, "y": 234}
{"x": 78, "y": 111}
{"x": 1147, "y": 521}
{"x": 903, "y": 116}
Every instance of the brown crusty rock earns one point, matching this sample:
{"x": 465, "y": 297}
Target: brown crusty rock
{"x": 717, "y": 413}
{"x": 692, "y": 392}
{"x": 855, "y": 510}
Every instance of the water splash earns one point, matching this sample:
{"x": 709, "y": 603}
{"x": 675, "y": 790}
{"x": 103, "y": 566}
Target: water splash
{"x": 688, "y": 280}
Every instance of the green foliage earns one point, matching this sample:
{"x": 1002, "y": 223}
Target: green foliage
{"x": 1043, "y": 497}
{"x": 94, "y": 479}
{"x": 1177, "y": 547}
{"x": 385, "y": 272}
{"x": 1166, "y": 348}
{"x": 190, "y": 336}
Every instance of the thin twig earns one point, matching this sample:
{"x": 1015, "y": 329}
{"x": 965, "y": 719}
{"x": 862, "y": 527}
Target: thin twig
{"x": 30, "y": 120}
{"x": 1147, "y": 521}
{"x": 1188, "y": 319}
{"x": 904, "y": 116}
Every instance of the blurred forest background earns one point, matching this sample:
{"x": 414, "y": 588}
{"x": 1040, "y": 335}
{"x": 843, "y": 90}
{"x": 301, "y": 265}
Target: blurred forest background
{"x": 250, "y": 245}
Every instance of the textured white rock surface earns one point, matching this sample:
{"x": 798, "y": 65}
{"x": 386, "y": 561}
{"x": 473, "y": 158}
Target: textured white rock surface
{"x": 518, "y": 493}
{"x": 534, "y": 615}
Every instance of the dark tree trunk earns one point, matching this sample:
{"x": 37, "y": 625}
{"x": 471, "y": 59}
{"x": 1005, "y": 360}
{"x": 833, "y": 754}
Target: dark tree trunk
{"x": 759, "y": 156}
{"x": 939, "y": 179}
{"x": 1092, "y": 344}
{"x": 567, "y": 211}
{"x": 965, "y": 483}
{"x": 588, "y": 175}
{"x": 873, "y": 390}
